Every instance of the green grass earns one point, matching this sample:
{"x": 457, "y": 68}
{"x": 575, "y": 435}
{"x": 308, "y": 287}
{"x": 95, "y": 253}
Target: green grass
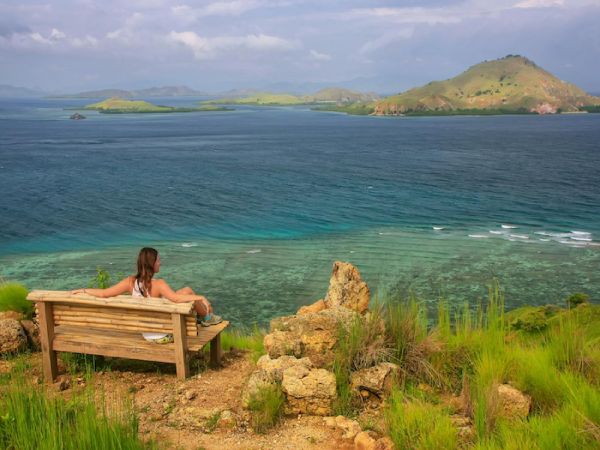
{"x": 266, "y": 407}
{"x": 415, "y": 424}
{"x": 13, "y": 298}
{"x": 30, "y": 418}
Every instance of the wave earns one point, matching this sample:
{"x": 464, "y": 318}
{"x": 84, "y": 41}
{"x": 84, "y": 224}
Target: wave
{"x": 438, "y": 228}
{"x": 496, "y": 232}
{"x": 478, "y": 236}
{"x": 254, "y": 250}
{"x": 510, "y": 227}
{"x": 519, "y": 236}
{"x": 189, "y": 244}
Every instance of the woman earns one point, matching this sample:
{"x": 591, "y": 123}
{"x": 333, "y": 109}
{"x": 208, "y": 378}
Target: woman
{"x": 143, "y": 285}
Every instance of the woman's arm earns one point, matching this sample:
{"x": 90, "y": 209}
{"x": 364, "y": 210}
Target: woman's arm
{"x": 168, "y": 293}
{"x": 122, "y": 287}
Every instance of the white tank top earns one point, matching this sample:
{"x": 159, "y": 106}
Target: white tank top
{"x": 137, "y": 292}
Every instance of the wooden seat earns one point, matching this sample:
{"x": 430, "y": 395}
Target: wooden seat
{"x": 114, "y": 327}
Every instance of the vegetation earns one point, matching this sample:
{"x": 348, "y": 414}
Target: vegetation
{"x": 33, "y": 419}
{"x": 549, "y": 353}
{"x": 266, "y": 406}
{"x": 13, "y": 297}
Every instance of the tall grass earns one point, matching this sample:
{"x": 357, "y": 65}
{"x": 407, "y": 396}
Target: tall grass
{"x": 266, "y": 407}
{"x": 419, "y": 425}
{"x": 31, "y": 419}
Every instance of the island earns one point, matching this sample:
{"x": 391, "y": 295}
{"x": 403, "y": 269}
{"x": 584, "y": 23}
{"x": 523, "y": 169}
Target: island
{"x": 118, "y": 105}
{"x": 510, "y": 85}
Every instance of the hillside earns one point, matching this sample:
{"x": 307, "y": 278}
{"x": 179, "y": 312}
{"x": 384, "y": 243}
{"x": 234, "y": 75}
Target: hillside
{"x": 340, "y": 95}
{"x": 7, "y": 90}
{"x": 510, "y": 84}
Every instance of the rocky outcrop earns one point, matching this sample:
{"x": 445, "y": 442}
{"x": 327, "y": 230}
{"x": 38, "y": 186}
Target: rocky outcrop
{"x": 32, "y": 331}
{"x": 513, "y": 403}
{"x": 347, "y": 289}
{"x": 309, "y": 391}
{"x": 300, "y": 348}
{"x": 311, "y": 335}
{"x": 377, "y": 380}
{"x": 12, "y": 337}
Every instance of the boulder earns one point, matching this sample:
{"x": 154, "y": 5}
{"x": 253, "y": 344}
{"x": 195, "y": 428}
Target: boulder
{"x": 347, "y": 289}
{"x": 32, "y": 331}
{"x": 227, "y": 420}
{"x": 12, "y": 337}
{"x": 317, "y": 306}
{"x": 513, "y": 403}
{"x": 309, "y": 391}
{"x": 269, "y": 372}
{"x": 311, "y": 335}
{"x": 11, "y": 315}
{"x": 384, "y": 443}
{"x": 377, "y": 380}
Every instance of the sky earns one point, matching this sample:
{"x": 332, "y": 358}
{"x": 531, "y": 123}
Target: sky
{"x": 297, "y": 45}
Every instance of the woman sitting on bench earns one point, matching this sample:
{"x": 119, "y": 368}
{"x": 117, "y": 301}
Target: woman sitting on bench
{"x": 142, "y": 285}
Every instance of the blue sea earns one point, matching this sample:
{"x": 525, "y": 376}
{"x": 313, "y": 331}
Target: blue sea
{"x": 251, "y": 207}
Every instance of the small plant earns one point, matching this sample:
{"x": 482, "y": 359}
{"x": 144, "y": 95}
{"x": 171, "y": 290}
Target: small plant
{"x": 266, "y": 406}
{"x": 577, "y": 299}
{"x": 101, "y": 280}
{"x": 13, "y": 297}
{"x": 211, "y": 423}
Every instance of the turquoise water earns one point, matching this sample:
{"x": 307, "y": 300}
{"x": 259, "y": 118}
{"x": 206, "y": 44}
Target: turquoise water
{"x": 252, "y": 207}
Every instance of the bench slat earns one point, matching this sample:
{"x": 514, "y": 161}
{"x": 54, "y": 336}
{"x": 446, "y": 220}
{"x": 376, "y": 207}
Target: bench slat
{"x": 121, "y": 301}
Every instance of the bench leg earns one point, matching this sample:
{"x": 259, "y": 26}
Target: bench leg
{"x": 181, "y": 354}
{"x": 215, "y": 351}
{"x": 46, "y": 337}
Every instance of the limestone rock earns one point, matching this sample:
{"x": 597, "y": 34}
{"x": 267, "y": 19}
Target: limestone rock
{"x": 378, "y": 379}
{"x": 269, "y": 372}
{"x": 32, "y": 330}
{"x": 349, "y": 427}
{"x": 347, "y": 289}
{"x": 513, "y": 403}
{"x": 384, "y": 443}
{"x": 364, "y": 441}
{"x": 12, "y": 337}
{"x": 275, "y": 367}
{"x": 317, "y": 306}
{"x": 311, "y": 335}
{"x": 309, "y": 391}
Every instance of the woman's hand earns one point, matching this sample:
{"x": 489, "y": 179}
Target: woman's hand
{"x": 78, "y": 291}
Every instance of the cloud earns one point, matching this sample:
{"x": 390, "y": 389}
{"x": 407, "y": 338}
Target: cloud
{"x": 210, "y": 47}
{"x": 231, "y": 8}
{"x": 408, "y": 15}
{"x": 385, "y": 40}
{"x": 319, "y": 56}
{"x": 539, "y": 4}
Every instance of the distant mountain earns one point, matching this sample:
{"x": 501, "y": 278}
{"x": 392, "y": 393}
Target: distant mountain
{"x": 510, "y": 84}
{"x": 7, "y": 90}
{"x": 328, "y": 95}
{"x": 163, "y": 91}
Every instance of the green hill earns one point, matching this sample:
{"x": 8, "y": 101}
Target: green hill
{"x": 340, "y": 95}
{"x": 117, "y": 105}
{"x": 263, "y": 99}
{"x": 510, "y": 84}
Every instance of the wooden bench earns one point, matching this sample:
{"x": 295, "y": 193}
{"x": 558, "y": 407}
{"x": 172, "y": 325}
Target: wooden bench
{"x": 114, "y": 326}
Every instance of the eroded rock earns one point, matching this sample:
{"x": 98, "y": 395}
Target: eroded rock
{"x": 347, "y": 289}
{"x": 513, "y": 403}
{"x": 377, "y": 380}
{"x": 309, "y": 391}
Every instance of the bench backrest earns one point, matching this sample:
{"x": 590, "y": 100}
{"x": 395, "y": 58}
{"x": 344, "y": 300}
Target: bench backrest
{"x": 123, "y": 313}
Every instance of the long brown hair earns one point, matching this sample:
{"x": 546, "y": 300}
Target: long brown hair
{"x": 145, "y": 269}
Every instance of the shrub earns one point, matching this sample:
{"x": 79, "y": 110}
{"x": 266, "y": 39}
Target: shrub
{"x": 13, "y": 297}
{"x": 266, "y": 406}
{"x": 101, "y": 280}
{"x": 244, "y": 340}
{"x": 416, "y": 424}
{"x": 532, "y": 319}
{"x": 577, "y": 299}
